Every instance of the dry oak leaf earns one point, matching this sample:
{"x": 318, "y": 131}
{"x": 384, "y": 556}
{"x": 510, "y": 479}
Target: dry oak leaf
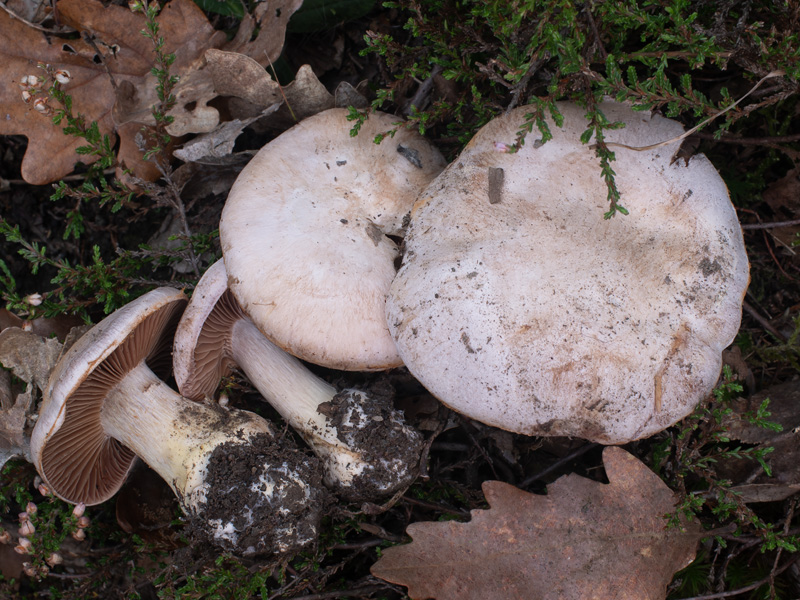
{"x": 747, "y": 476}
{"x": 118, "y": 45}
{"x": 584, "y": 540}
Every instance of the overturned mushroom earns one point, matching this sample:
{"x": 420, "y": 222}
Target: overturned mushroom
{"x": 105, "y": 404}
{"x": 518, "y": 305}
{"x": 305, "y": 235}
{"x": 366, "y": 448}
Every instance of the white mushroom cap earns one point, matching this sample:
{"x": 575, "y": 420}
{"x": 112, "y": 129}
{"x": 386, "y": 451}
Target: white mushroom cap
{"x": 366, "y": 448}
{"x": 304, "y": 235}
{"x": 523, "y": 308}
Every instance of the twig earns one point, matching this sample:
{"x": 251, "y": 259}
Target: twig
{"x": 422, "y": 93}
{"x": 87, "y": 37}
{"x": 434, "y": 506}
{"x": 371, "y": 543}
{"x": 77, "y": 177}
{"x": 775, "y": 258}
{"x": 426, "y": 449}
{"x": 701, "y": 123}
{"x": 749, "y": 588}
{"x": 558, "y": 464}
{"x": 786, "y": 523}
{"x": 749, "y": 141}
{"x": 280, "y": 88}
{"x": 762, "y": 321}
{"x": 595, "y": 32}
{"x": 522, "y": 84}
{"x": 774, "y": 225}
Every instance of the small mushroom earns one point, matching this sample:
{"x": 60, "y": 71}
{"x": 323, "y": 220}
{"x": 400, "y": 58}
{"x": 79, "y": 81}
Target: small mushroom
{"x": 520, "y": 306}
{"x": 366, "y": 448}
{"x": 306, "y": 235}
{"x": 105, "y": 405}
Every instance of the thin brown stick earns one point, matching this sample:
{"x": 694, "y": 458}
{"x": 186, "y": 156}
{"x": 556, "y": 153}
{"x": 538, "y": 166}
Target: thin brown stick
{"x": 748, "y": 141}
{"x": 775, "y": 258}
{"x": 701, "y": 123}
{"x": 89, "y": 39}
{"x": 595, "y": 32}
{"x": 435, "y": 506}
{"x": 774, "y": 225}
{"x": 280, "y": 87}
{"x": 762, "y": 321}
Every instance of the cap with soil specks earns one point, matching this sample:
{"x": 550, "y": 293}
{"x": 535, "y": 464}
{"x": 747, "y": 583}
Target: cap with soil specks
{"x": 520, "y": 306}
{"x": 306, "y": 235}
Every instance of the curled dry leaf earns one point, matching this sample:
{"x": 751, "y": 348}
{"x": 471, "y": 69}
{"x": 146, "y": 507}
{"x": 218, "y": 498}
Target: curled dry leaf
{"x": 235, "y": 74}
{"x": 30, "y": 356}
{"x": 214, "y": 145}
{"x": 582, "y": 540}
{"x": 117, "y": 47}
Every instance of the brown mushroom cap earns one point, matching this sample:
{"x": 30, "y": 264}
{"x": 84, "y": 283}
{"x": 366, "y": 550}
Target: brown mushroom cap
{"x": 71, "y": 451}
{"x": 304, "y": 235}
{"x": 520, "y": 306}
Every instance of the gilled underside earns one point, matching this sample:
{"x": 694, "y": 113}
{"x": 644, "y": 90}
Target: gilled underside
{"x": 213, "y": 350}
{"x": 79, "y": 461}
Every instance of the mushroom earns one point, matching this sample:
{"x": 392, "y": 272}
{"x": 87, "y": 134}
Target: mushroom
{"x": 306, "y": 235}
{"x": 105, "y": 404}
{"x": 518, "y": 305}
{"x": 366, "y": 448}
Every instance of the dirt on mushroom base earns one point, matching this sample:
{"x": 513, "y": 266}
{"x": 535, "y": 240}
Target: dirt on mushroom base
{"x": 368, "y": 423}
{"x": 296, "y": 500}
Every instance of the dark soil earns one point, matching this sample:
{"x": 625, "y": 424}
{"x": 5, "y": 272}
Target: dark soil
{"x": 265, "y": 497}
{"x": 368, "y": 423}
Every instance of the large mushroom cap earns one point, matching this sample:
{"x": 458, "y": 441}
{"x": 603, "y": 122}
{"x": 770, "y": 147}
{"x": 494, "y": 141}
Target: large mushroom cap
{"x": 70, "y": 448}
{"x": 520, "y": 306}
{"x": 304, "y": 235}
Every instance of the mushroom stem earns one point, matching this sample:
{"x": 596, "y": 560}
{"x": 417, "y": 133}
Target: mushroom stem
{"x": 169, "y": 432}
{"x": 187, "y": 442}
{"x": 305, "y": 401}
{"x": 282, "y": 379}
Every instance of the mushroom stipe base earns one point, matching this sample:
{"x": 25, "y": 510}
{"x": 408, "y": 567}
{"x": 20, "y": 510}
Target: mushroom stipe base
{"x": 296, "y": 501}
{"x": 372, "y": 428}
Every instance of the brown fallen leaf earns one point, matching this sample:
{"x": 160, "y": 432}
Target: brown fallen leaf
{"x": 747, "y": 476}
{"x": 583, "y": 540}
{"x": 235, "y": 74}
{"x": 117, "y": 47}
